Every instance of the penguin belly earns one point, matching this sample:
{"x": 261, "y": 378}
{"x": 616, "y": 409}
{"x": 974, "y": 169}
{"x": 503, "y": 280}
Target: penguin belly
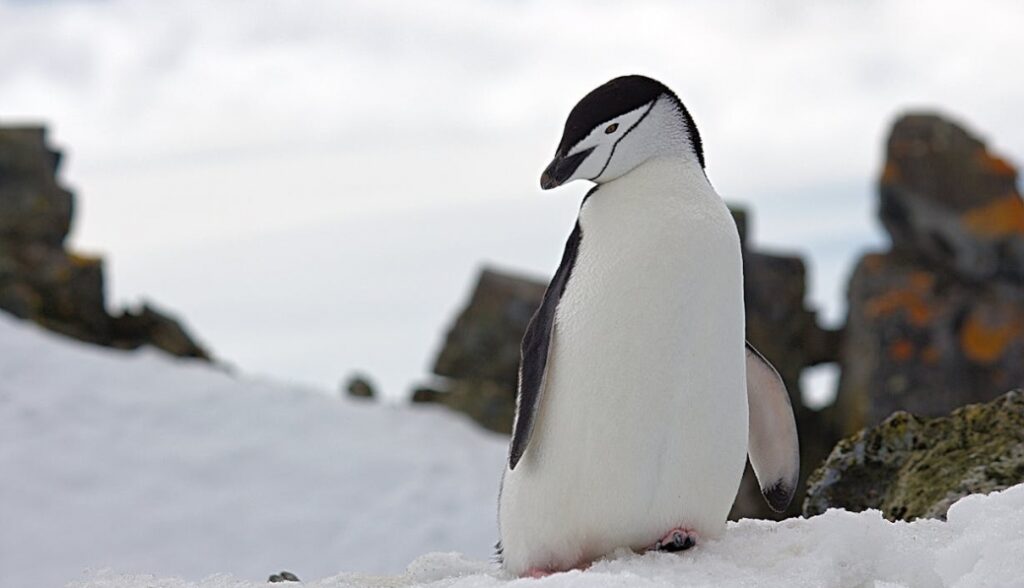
{"x": 642, "y": 426}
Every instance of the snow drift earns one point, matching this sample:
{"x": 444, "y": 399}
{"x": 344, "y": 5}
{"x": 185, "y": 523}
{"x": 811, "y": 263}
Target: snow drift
{"x": 143, "y": 463}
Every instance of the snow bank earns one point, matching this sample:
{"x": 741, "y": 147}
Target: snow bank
{"x": 149, "y": 465}
{"x": 144, "y": 463}
{"x": 980, "y": 546}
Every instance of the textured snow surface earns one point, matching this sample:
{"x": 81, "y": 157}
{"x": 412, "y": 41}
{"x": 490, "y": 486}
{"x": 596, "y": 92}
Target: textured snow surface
{"x": 132, "y": 469}
{"x": 980, "y": 546}
{"x": 146, "y": 464}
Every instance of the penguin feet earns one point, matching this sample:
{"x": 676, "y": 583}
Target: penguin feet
{"x": 678, "y": 539}
{"x": 537, "y": 573}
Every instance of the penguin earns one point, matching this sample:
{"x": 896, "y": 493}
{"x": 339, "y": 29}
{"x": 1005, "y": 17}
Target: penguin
{"x": 638, "y": 398}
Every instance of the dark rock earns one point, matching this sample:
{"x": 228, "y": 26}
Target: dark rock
{"x": 484, "y": 342}
{"x": 359, "y": 387}
{"x": 283, "y": 577}
{"x": 949, "y": 202}
{"x": 33, "y": 207}
{"x": 910, "y": 467}
{"x": 937, "y": 321}
{"x": 40, "y": 280}
{"x": 150, "y": 326}
{"x": 491, "y": 404}
{"x": 424, "y": 394}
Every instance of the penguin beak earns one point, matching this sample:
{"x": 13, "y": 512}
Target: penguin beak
{"x": 561, "y": 169}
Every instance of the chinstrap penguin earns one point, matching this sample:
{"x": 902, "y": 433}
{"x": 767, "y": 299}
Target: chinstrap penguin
{"x": 638, "y": 397}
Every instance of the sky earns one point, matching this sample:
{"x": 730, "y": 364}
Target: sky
{"x": 313, "y": 187}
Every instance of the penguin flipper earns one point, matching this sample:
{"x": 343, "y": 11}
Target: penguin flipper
{"x": 773, "y": 446}
{"x": 534, "y": 351}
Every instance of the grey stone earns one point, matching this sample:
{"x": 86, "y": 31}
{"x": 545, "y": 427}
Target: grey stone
{"x": 910, "y": 467}
{"x": 40, "y": 280}
{"x": 937, "y": 321}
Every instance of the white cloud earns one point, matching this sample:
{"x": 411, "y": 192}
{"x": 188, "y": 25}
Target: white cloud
{"x": 196, "y": 123}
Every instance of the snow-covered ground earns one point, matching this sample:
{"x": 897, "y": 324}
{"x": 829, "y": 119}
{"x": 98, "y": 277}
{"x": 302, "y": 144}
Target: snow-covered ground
{"x": 980, "y": 546}
{"x": 142, "y": 463}
{"x": 173, "y": 475}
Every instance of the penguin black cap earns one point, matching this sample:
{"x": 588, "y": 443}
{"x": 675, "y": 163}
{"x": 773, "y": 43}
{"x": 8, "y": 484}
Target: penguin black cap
{"x": 617, "y": 97}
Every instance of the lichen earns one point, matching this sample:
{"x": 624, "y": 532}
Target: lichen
{"x": 985, "y": 343}
{"x": 913, "y": 299}
{"x": 909, "y": 467}
{"x": 999, "y": 218}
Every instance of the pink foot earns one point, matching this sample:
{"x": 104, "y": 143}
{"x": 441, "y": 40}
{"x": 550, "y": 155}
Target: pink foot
{"x": 537, "y": 573}
{"x": 678, "y": 539}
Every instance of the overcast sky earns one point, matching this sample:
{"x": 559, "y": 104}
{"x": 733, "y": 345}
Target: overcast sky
{"x": 314, "y": 185}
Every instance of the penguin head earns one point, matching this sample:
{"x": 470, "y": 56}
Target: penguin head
{"x": 619, "y": 126}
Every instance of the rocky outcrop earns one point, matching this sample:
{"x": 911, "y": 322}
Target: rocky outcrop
{"x": 40, "y": 280}
{"x": 359, "y": 387}
{"x": 937, "y": 321}
{"x": 910, "y": 466}
{"x": 480, "y": 355}
{"x": 483, "y": 344}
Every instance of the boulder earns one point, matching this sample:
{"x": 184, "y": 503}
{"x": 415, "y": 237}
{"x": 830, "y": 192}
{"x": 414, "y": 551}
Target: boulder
{"x": 483, "y": 344}
{"x": 359, "y": 387}
{"x": 937, "y": 321}
{"x": 33, "y": 206}
{"x": 150, "y": 326}
{"x": 910, "y": 466}
{"x": 948, "y": 201}
{"x": 40, "y": 280}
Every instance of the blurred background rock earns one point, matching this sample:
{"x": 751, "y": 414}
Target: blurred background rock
{"x": 41, "y": 280}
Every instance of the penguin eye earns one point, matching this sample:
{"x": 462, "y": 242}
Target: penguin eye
{"x": 611, "y": 128}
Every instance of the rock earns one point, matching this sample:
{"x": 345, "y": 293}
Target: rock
{"x": 483, "y": 343}
{"x": 33, "y": 207}
{"x": 424, "y": 394}
{"x": 150, "y": 326}
{"x": 359, "y": 387}
{"x": 910, "y": 467}
{"x": 938, "y": 321}
{"x": 42, "y": 281}
{"x": 491, "y": 404}
{"x": 948, "y": 201}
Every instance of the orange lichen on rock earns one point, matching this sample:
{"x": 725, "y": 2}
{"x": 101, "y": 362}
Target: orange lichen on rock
{"x": 985, "y": 343}
{"x": 82, "y": 260}
{"x": 911, "y": 299}
{"x": 873, "y": 262}
{"x": 901, "y": 350}
{"x": 995, "y": 164}
{"x": 931, "y": 354}
{"x": 891, "y": 173}
{"x": 999, "y": 218}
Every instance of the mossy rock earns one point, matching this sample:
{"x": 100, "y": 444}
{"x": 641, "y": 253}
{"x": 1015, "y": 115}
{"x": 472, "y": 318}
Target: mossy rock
{"x": 910, "y": 467}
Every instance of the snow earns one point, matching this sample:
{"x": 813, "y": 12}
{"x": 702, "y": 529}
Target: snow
{"x": 144, "y": 463}
{"x": 172, "y": 474}
{"x": 979, "y": 546}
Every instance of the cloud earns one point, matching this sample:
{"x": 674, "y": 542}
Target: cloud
{"x": 204, "y": 122}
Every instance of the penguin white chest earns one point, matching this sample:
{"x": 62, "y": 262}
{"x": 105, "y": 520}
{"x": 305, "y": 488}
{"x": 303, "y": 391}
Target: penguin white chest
{"x": 642, "y": 426}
